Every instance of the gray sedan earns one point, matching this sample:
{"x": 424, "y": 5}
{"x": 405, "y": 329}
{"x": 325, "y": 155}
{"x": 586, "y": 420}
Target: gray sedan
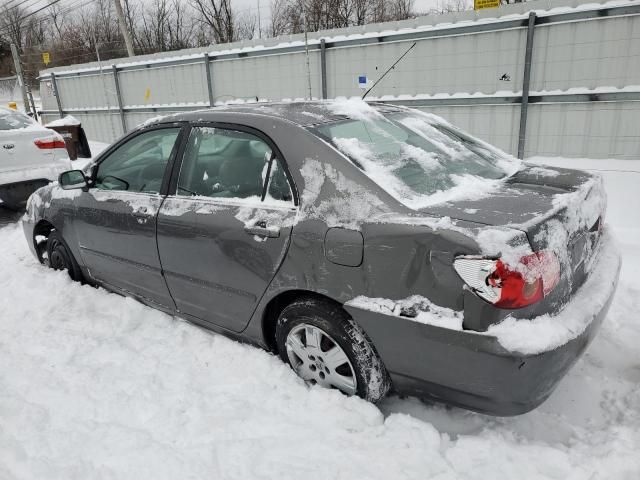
{"x": 372, "y": 247}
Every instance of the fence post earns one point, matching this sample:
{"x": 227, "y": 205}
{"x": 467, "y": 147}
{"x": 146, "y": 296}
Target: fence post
{"x": 323, "y": 67}
{"x": 209, "y": 82}
{"x": 116, "y": 81}
{"x": 23, "y": 85}
{"x": 56, "y": 94}
{"x": 526, "y": 80}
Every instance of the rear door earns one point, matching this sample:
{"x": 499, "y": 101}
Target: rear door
{"x": 115, "y": 220}
{"x": 225, "y": 229}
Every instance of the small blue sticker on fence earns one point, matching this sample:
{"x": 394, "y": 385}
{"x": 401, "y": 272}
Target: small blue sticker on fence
{"x": 362, "y": 81}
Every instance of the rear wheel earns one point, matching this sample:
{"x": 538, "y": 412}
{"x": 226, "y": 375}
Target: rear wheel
{"x": 325, "y": 347}
{"x": 60, "y": 258}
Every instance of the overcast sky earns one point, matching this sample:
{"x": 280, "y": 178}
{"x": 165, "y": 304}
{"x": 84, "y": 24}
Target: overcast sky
{"x": 265, "y": 7}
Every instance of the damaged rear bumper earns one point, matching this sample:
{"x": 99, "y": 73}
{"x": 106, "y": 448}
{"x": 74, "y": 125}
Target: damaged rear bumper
{"x": 474, "y": 370}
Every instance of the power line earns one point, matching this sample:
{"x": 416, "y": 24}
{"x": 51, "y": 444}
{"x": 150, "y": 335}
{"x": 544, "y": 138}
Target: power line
{"x": 62, "y": 12}
{"x": 19, "y": 5}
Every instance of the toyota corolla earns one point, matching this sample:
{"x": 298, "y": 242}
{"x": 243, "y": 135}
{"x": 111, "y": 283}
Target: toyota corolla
{"x": 371, "y": 247}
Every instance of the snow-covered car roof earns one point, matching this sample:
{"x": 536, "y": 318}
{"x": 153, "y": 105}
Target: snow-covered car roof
{"x": 302, "y": 113}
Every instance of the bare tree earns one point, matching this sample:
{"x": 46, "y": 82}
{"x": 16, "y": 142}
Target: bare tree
{"x": 72, "y": 35}
{"x": 219, "y": 16}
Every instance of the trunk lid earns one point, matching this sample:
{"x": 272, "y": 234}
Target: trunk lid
{"x": 18, "y": 150}
{"x": 557, "y": 209}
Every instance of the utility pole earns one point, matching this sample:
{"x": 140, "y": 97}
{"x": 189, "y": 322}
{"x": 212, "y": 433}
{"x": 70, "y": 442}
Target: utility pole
{"x": 23, "y": 86}
{"x": 123, "y": 28}
{"x": 306, "y": 46}
{"x": 259, "y": 21}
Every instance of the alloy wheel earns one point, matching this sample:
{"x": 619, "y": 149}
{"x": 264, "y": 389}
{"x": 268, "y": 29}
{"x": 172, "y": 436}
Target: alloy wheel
{"x": 318, "y": 359}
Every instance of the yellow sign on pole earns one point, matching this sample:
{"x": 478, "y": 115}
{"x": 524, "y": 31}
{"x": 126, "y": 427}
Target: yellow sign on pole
{"x": 482, "y": 4}
{"x": 46, "y": 59}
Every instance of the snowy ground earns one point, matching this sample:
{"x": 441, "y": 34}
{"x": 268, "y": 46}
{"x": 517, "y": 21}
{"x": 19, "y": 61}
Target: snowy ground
{"x": 93, "y": 385}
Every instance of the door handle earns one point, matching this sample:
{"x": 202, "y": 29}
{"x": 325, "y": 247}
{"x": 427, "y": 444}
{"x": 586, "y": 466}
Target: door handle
{"x": 262, "y": 230}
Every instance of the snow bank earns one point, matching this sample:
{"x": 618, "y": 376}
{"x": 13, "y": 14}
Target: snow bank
{"x": 67, "y": 121}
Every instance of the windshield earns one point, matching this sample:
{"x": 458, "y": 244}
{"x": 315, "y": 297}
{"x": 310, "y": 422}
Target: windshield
{"x": 418, "y": 158}
{"x": 10, "y": 120}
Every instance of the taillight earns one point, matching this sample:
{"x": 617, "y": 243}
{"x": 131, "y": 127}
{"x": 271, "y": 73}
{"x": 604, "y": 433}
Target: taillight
{"x": 517, "y": 285}
{"x": 50, "y": 142}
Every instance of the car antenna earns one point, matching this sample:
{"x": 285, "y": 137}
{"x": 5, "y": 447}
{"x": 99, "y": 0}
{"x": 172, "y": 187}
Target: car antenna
{"x": 388, "y": 70}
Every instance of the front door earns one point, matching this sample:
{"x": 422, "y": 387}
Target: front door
{"x": 225, "y": 231}
{"x": 116, "y": 219}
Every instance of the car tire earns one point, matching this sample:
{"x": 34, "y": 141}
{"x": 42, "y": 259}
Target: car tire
{"x": 307, "y": 334}
{"x": 60, "y": 258}
{"x": 10, "y": 202}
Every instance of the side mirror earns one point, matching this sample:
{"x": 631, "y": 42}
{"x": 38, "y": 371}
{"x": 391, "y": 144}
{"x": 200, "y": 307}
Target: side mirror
{"x": 72, "y": 180}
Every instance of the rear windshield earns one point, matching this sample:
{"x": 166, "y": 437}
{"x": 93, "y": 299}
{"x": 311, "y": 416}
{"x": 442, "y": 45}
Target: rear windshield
{"x": 418, "y": 158}
{"x": 10, "y": 120}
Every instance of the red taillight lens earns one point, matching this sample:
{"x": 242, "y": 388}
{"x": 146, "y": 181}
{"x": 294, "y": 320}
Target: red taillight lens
{"x": 49, "y": 143}
{"x": 511, "y": 286}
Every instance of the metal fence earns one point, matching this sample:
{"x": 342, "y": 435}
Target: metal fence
{"x": 9, "y": 89}
{"x": 539, "y": 78}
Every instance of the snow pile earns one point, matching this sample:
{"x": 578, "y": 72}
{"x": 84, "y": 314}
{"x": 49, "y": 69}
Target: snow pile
{"x": 68, "y": 121}
{"x": 543, "y": 172}
{"x": 507, "y": 243}
{"x": 416, "y": 308}
{"x": 354, "y": 108}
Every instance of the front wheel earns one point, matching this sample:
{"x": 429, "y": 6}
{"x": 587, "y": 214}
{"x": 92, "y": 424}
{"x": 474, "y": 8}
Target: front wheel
{"x": 60, "y": 258}
{"x": 325, "y": 347}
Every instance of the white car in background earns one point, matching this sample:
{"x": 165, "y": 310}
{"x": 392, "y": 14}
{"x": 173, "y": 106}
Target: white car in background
{"x": 31, "y": 156}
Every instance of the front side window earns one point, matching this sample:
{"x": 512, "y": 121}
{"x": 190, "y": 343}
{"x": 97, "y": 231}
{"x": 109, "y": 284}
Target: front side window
{"x": 224, "y": 163}
{"x": 138, "y": 165}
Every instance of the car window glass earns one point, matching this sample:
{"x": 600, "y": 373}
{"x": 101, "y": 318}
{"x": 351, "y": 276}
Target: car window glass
{"x": 279, "y": 188}
{"x": 11, "y": 120}
{"x": 225, "y": 163}
{"x": 139, "y": 164}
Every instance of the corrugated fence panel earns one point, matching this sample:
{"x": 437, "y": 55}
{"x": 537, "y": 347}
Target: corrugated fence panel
{"x": 273, "y": 77}
{"x": 102, "y": 126}
{"x": 594, "y": 130}
{"x": 467, "y": 67}
{"x": 136, "y": 118}
{"x": 46, "y": 96}
{"x": 587, "y": 54}
{"x": 87, "y": 91}
{"x": 178, "y": 84}
{"x": 466, "y": 63}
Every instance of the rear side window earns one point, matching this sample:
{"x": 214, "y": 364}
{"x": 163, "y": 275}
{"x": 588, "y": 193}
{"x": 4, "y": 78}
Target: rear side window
{"x": 225, "y": 163}
{"x": 10, "y": 120}
{"x": 139, "y": 164}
